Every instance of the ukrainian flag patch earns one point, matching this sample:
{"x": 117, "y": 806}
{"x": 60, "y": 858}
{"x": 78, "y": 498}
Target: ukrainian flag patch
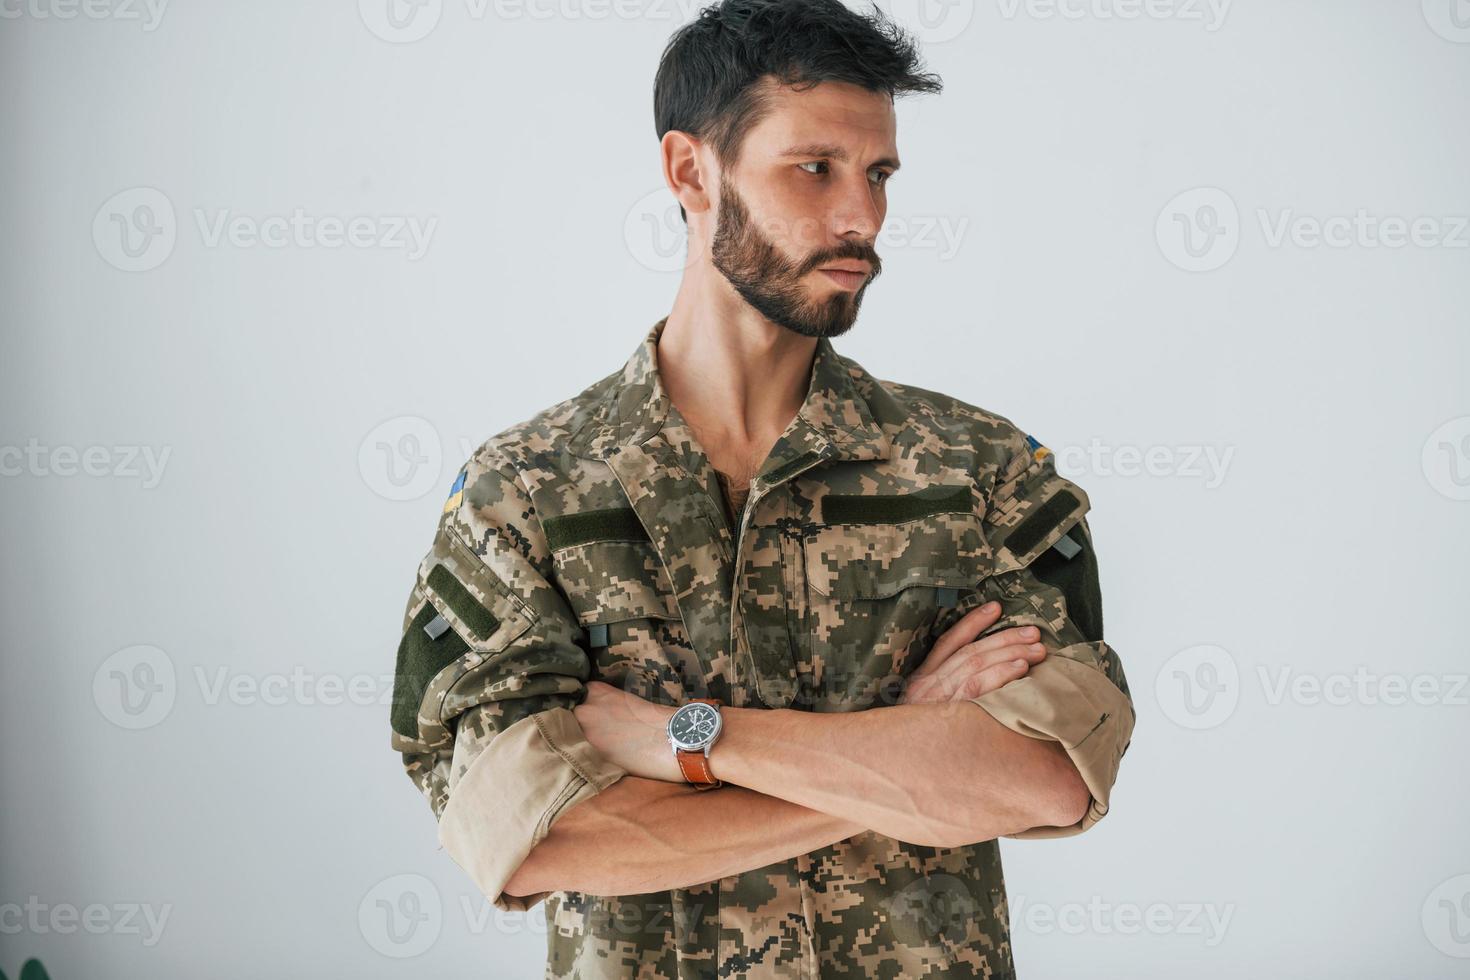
{"x": 456, "y": 493}
{"x": 1038, "y": 451}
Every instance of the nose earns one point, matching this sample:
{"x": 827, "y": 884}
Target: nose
{"x": 859, "y": 211}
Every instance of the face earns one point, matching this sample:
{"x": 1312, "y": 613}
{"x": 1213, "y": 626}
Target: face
{"x": 800, "y": 211}
{"x": 694, "y": 725}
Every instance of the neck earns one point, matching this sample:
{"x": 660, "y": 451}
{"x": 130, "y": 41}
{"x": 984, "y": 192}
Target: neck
{"x": 735, "y": 377}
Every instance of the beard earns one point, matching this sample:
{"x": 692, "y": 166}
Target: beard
{"x": 772, "y": 283}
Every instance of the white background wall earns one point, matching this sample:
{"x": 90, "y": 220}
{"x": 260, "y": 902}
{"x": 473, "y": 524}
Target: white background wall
{"x": 1303, "y": 408}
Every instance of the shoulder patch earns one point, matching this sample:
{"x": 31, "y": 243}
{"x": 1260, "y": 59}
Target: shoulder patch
{"x": 1038, "y": 451}
{"x": 456, "y": 493}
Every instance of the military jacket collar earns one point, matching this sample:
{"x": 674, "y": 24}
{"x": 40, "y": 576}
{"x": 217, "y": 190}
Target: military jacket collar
{"x": 834, "y": 421}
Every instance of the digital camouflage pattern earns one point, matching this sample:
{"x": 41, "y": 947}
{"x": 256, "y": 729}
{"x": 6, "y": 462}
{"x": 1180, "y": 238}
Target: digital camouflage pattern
{"x": 590, "y": 542}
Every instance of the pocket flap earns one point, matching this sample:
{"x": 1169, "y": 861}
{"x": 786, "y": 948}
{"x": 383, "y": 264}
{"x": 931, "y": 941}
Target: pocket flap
{"x": 875, "y": 561}
{"x": 609, "y": 581}
{"x": 473, "y": 601}
{"x": 460, "y": 614}
{"x": 1032, "y": 516}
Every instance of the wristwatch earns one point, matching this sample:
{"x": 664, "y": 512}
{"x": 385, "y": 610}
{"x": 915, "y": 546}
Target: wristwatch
{"x": 692, "y": 730}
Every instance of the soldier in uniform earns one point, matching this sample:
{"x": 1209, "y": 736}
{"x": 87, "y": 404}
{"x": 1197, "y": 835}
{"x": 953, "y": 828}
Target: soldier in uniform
{"x": 740, "y": 660}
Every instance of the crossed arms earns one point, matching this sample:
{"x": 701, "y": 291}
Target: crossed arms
{"x": 529, "y": 765}
{"x": 928, "y": 770}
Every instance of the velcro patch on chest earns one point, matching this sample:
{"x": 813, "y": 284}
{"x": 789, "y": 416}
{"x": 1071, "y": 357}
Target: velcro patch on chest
{"x": 858, "y": 508}
{"x": 609, "y": 524}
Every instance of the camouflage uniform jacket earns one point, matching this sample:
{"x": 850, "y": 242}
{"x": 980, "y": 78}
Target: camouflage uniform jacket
{"x": 590, "y": 542}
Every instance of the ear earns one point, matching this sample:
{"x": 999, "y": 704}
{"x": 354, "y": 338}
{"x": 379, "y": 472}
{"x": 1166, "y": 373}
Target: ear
{"x": 685, "y": 170}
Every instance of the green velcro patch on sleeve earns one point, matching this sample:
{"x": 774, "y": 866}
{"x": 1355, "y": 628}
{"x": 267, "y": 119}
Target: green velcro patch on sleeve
{"x": 612, "y": 524}
{"x": 1077, "y": 578}
{"x": 479, "y": 619}
{"x": 1041, "y": 522}
{"x": 857, "y": 508}
{"x": 419, "y": 660}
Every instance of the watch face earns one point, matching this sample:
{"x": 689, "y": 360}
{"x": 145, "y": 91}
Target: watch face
{"x": 694, "y": 725}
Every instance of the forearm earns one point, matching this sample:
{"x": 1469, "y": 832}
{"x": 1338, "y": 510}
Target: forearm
{"x": 670, "y": 835}
{"x": 939, "y": 774}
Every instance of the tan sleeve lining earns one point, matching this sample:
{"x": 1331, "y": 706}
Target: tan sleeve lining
{"x": 1075, "y": 704}
{"x": 512, "y": 793}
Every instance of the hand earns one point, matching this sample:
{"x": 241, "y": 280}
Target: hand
{"x": 629, "y": 731}
{"x": 959, "y": 667}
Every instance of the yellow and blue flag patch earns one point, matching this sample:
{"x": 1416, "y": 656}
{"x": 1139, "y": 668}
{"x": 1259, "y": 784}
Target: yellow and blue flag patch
{"x": 456, "y": 493}
{"x": 1038, "y": 451}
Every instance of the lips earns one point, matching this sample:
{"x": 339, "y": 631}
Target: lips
{"x": 845, "y": 277}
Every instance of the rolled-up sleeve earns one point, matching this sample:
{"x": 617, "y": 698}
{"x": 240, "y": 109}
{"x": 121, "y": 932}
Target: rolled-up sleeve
{"x": 513, "y": 788}
{"x": 1044, "y": 574}
{"x": 1068, "y": 699}
{"x": 489, "y": 669}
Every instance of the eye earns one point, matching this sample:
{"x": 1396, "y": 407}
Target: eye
{"x": 884, "y": 175}
{"x": 814, "y": 163}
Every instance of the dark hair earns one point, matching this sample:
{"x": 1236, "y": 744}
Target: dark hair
{"x": 707, "y": 77}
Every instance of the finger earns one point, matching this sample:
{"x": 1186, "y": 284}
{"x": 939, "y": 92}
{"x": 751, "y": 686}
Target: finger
{"x": 962, "y": 685}
{"x": 1010, "y": 644}
{"x": 965, "y": 629}
{"x": 991, "y": 679}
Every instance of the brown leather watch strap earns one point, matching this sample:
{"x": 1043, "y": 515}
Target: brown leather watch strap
{"x": 695, "y": 765}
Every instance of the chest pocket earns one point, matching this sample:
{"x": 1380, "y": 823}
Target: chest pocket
{"x": 879, "y": 571}
{"x": 616, "y": 584}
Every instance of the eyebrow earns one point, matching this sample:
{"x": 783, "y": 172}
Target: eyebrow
{"x": 834, "y": 152}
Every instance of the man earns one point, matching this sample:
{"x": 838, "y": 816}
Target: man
{"x": 741, "y": 659}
